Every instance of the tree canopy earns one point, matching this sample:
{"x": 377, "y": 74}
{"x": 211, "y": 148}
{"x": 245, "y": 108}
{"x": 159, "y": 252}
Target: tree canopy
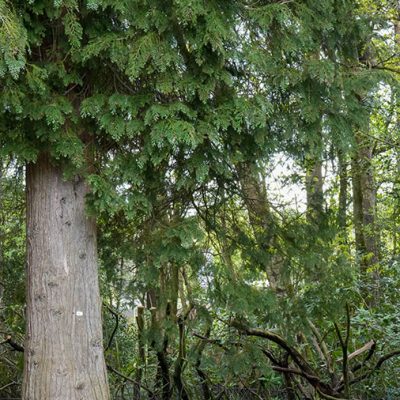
{"x": 241, "y": 162}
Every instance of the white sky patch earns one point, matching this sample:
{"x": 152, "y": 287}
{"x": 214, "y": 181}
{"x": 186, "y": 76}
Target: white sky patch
{"x": 285, "y": 181}
{"x": 285, "y": 184}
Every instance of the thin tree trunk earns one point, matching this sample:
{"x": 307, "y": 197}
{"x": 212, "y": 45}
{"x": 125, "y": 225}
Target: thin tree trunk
{"x": 371, "y": 231}
{"x": 163, "y": 372}
{"x": 357, "y": 206}
{"x": 159, "y": 314}
{"x": 141, "y": 350}
{"x": 314, "y": 190}
{"x": 64, "y": 343}
{"x": 262, "y": 223}
{"x": 207, "y": 393}
{"x": 365, "y": 224}
{"x": 179, "y": 363}
{"x": 289, "y": 384}
{"x": 313, "y": 161}
{"x": 364, "y": 197}
{"x": 396, "y": 188}
{"x": 342, "y": 212}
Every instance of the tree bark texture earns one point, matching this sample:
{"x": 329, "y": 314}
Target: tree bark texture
{"x": 365, "y": 219}
{"x": 64, "y": 357}
{"x": 314, "y": 190}
{"x": 371, "y": 229}
{"x": 364, "y": 198}
{"x": 357, "y": 206}
{"x": 343, "y": 179}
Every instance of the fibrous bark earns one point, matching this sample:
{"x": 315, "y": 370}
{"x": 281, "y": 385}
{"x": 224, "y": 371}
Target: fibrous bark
{"x": 64, "y": 344}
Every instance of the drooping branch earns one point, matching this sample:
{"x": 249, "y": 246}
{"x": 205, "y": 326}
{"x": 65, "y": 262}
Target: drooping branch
{"x": 368, "y": 373}
{"x": 273, "y": 337}
{"x": 116, "y": 316}
{"x": 306, "y": 371}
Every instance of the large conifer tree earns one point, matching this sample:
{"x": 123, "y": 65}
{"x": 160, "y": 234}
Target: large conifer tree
{"x": 82, "y": 80}
{"x": 43, "y": 86}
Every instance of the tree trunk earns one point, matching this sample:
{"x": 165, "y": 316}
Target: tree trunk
{"x": 262, "y": 222}
{"x": 140, "y": 320}
{"x": 396, "y": 187}
{"x": 64, "y": 344}
{"x": 371, "y": 230}
{"x": 314, "y": 190}
{"x": 207, "y": 393}
{"x": 160, "y": 341}
{"x": 180, "y": 361}
{"x": 357, "y": 206}
{"x": 342, "y": 212}
{"x": 163, "y": 301}
{"x": 365, "y": 223}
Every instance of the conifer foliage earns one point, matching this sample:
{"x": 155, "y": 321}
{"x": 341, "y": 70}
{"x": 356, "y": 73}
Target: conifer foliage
{"x": 151, "y": 133}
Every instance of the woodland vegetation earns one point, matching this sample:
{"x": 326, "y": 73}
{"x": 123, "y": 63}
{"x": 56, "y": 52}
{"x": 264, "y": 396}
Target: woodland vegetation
{"x": 199, "y": 199}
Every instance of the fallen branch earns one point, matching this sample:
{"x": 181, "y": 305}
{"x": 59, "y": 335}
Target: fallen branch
{"x": 368, "y": 373}
{"x": 14, "y": 345}
{"x": 361, "y": 350}
{"x": 8, "y": 385}
{"x": 305, "y": 369}
{"x": 273, "y": 337}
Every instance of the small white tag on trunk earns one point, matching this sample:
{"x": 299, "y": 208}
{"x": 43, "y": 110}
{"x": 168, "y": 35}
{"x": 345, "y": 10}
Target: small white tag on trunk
{"x": 79, "y": 313}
